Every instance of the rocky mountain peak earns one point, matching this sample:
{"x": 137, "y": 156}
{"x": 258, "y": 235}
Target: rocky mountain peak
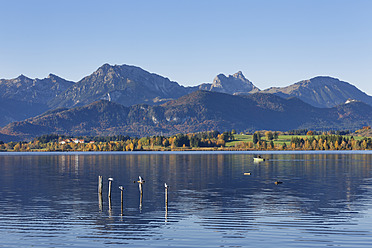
{"x": 126, "y": 84}
{"x": 319, "y": 81}
{"x": 56, "y": 79}
{"x": 35, "y": 91}
{"x": 239, "y": 75}
{"x": 104, "y": 67}
{"x": 120, "y": 72}
{"x": 322, "y": 91}
{"x": 233, "y": 84}
{"x": 102, "y": 71}
{"x": 22, "y": 78}
{"x": 52, "y": 76}
{"x": 219, "y": 78}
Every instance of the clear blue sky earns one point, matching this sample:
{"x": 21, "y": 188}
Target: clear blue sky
{"x": 274, "y": 43}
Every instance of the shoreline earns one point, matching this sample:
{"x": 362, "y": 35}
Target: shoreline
{"x": 14, "y": 153}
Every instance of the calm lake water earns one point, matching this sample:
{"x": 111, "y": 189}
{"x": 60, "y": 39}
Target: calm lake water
{"x": 51, "y": 200}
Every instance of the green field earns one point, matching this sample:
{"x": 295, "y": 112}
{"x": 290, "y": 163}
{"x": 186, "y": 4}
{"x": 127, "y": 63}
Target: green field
{"x": 281, "y": 139}
{"x": 249, "y": 138}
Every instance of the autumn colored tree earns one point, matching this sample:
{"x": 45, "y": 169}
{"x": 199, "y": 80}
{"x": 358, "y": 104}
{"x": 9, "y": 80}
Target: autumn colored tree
{"x": 256, "y": 137}
{"x": 165, "y": 142}
{"x": 194, "y": 141}
{"x": 314, "y": 144}
{"x": 276, "y": 135}
{"x": 284, "y": 146}
{"x": 272, "y": 144}
{"x": 250, "y": 144}
{"x": 269, "y": 135}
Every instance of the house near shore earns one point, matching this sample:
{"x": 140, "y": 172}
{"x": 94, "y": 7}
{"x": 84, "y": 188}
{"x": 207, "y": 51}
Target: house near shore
{"x": 76, "y": 141}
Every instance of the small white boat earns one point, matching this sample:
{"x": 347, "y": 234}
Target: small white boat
{"x": 258, "y": 159}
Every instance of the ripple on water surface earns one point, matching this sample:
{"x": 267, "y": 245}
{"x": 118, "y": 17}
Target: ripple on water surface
{"x": 52, "y": 201}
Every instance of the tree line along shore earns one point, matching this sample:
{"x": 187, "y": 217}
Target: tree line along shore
{"x": 201, "y": 141}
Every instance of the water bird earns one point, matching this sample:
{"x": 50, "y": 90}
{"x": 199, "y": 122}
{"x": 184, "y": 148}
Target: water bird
{"x": 166, "y": 185}
{"x": 278, "y": 182}
{"x": 110, "y": 179}
{"x": 140, "y": 181}
{"x": 121, "y": 188}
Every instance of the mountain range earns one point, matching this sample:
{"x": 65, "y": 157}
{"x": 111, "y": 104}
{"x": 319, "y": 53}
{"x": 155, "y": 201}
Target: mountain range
{"x": 22, "y": 97}
{"x": 322, "y": 92}
{"x": 127, "y": 85}
{"x": 195, "y": 112}
{"x": 123, "y": 99}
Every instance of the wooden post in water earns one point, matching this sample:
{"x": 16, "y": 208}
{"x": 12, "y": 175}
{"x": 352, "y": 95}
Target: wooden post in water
{"x": 140, "y": 182}
{"x": 100, "y": 204}
{"x": 110, "y": 208}
{"x": 100, "y": 185}
{"x": 122, "y": 199}
{"x": 141, "y": 194}
{"x": 166, "y": 201}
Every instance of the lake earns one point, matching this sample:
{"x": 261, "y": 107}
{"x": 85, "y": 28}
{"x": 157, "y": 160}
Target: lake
{"x": 51, "y": 199}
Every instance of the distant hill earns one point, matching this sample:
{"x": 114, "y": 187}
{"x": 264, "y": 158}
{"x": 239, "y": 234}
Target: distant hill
{"x": 124, "y": 84}
{"x": 364, "y": 132}
{"x": 198, "y": 111}
{"x": 322, "y": 92}
{"x": 13, "y": 110}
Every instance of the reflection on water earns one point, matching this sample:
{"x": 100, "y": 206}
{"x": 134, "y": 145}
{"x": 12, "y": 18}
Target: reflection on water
{"x": 51, "y": 200}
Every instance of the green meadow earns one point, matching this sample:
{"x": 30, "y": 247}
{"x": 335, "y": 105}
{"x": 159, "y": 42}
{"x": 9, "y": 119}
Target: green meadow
{"x": 281, "y": 139}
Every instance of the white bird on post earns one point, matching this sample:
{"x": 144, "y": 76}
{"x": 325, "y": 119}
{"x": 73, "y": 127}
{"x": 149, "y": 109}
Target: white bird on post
{"x": 140, "y": 182}
{"x": 166, "y": 194}
{"x": 110, "y": 179}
